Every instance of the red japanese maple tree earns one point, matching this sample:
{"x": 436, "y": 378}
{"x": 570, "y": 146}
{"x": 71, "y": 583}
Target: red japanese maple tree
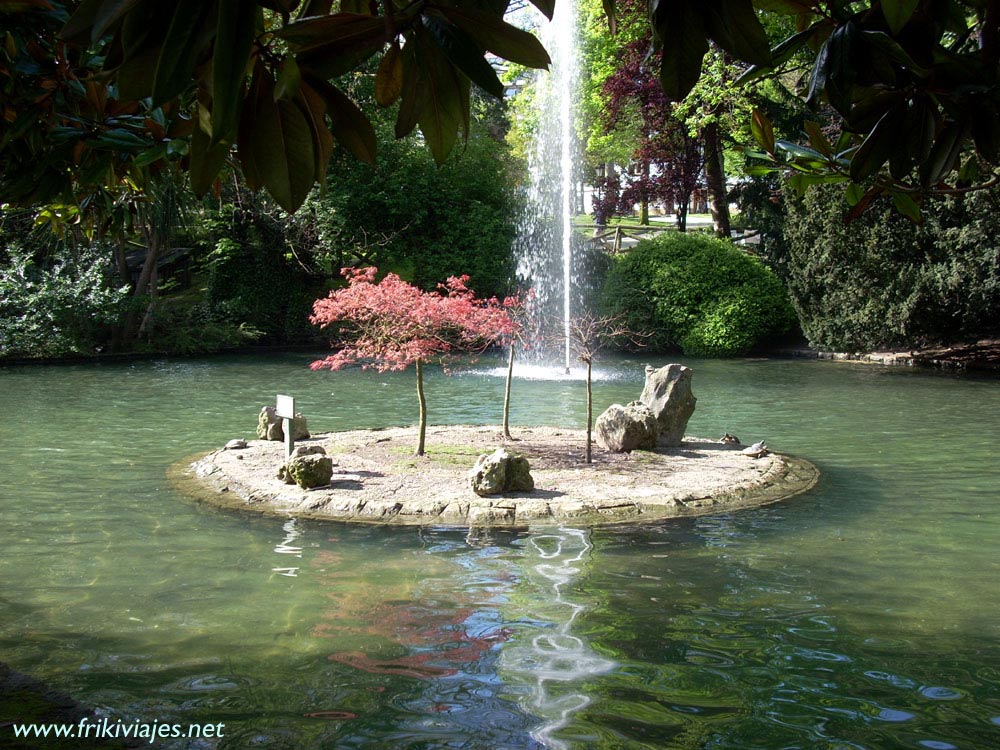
{"x": 390, "y": 324}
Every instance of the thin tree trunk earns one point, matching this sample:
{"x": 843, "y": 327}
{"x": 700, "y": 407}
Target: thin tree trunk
{"x": 423, "y": 407}
{"x": 132, "y": 319}
{"x": 506, "y": 395}
{"x": 715, "y": 179}
{"x": 590, "y": 413}
{"x": 154, "y": 283}
{"x": 644, "y": 203}
{"x": 682, "y": 215}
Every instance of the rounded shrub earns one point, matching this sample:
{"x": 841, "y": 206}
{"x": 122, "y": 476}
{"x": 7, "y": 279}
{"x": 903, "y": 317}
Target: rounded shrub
{"x": 882, "y": 281}
{"x": 699, "y": 294}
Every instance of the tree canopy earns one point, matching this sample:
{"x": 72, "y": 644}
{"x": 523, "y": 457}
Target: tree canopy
{"x": 101, "y": 92}
{"x": 104, "y": 92}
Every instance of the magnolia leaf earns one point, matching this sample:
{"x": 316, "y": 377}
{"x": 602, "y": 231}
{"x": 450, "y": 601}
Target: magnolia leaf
{"x": 331, "y": 46}
{"x": 969, "y": 172}
{"x": 82, "y": 20}
{"x": 117, "y": 139}
{"x": 463, "y": 53}
{"x": 734, "y": 26}
{"x": 179, "y": 52}
{"x": 863, "y": 203}
{"x": 289, "y": 79}
{"x": 548, "y": 7}
{"x": 441, "y": 112}
{"x": 135, "y": 76}
{"x": 944, "y": 154}
{"x": 259, "y": 90}
{"x": 876, "y": 148}
{"x": 853, "y": 194}
{"x": 314, "y": 108}
{"x": 816, "y": 138}
{"x": 678, "y": 31}
{"x": 907, "y": 206}
{"x": 762, "y": 130}
{"x": 315, "y": 8}
{"x": 494, "y": 34}
{"x": 389, "y": 77}
{"x": 348, "y": 123}
{"x": 207, "y": 159}
{"x": 986, "y": 133}
{"x": 800, "y": 152}
{"x": 233, "y": 41}
{"x": 786, "y": 7}
{"x": 611, "y": 13}
{"x": 897, "y": 13}
{"x": 411, "y": 93}
{"x": 342, "y": 31}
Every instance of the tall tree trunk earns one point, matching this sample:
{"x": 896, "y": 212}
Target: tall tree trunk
{"x": 134, "y": 318}
{"x": 644, "y": 203}
{"x": 423, "y": 408}
{"x": 590, "y": 413}
{"x": 682, "y": 214}
{"x": 506, "y": 395}
{"x": 715, "y": 179}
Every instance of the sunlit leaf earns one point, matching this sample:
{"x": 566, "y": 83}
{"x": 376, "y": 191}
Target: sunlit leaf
{"x": 465, "y": 55}
{"x": 907, "y": 206}
{"x": 347, "y": 122}
{"x": 494, "y": 34}
{"x": 389, "y": 77}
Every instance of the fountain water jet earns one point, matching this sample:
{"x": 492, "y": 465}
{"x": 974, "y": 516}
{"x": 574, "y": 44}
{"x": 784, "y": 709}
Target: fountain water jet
{"x": 545, "y": 241}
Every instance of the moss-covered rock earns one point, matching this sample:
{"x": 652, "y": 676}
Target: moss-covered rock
{"x": 313, "y": 470}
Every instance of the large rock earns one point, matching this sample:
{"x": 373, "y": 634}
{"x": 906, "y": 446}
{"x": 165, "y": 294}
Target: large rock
{"x": 269, "y": 426}
{"x": 668, "y": 395}
{"x": 313, "y": 470}
{"x": 626, "y": 428}
{"x": 499, "y": 472}
{"x": 519, "y": 477}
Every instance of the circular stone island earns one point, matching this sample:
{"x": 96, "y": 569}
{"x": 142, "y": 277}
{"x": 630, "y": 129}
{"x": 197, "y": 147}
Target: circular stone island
{"x": 377, "y": 479}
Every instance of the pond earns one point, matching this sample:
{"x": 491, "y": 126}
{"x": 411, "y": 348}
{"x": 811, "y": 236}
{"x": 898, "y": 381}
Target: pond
{"x": 863, "y": 614}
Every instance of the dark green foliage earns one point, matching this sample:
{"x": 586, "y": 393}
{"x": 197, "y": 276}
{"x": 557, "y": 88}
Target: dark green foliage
{"x": 62, "y": 306}
{"x": 201, "y": 328}
{"x": 424, "y": 222}
{"x": 699, "y": 294}
{"x": 255, "y": 281}
{"x": 883, "y": 281}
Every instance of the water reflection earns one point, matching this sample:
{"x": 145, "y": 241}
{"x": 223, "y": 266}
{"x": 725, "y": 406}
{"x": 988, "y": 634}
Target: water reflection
{"x": 552, "y": 664}
{"x": 285, "y": 547}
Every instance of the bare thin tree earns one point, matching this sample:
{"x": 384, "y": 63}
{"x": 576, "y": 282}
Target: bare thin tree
{"x": 589, "y": 334}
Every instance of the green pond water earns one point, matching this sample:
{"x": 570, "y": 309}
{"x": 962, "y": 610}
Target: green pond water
{"x": 864, "y": 614}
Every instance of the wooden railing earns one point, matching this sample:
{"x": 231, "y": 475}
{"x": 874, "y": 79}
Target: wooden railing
{"x": 612, "y": 240}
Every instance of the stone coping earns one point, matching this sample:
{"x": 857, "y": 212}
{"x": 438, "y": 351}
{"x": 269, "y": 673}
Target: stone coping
{"x": 377, "y": 479}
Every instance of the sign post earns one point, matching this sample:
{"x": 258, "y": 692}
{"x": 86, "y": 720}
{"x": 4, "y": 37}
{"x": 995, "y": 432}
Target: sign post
{"x": 286, "y": 411}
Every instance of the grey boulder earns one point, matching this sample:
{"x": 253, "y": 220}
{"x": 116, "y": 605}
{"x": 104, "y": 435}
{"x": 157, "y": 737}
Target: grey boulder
{"x": 269, "y": 426}
{"x": 668, "y": 395}
{"x": 626, "y": 428}
{"x": 500, "y": 471}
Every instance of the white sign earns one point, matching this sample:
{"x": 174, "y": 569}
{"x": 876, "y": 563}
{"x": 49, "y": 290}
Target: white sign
{"x": 285, "y": 407}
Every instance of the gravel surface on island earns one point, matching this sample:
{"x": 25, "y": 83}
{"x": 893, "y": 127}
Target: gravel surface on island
{"x": 377, "y": 479}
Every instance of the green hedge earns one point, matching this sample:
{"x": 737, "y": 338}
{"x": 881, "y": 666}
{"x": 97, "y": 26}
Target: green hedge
{"x": 699, "y": 294}
{"x": 882, "y": 281}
